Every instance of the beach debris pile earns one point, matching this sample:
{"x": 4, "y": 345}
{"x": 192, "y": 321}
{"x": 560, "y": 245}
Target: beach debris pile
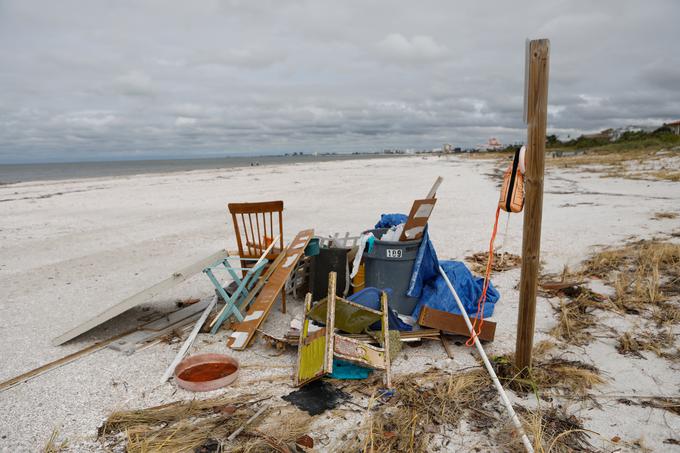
{"x": 365, "y": 295}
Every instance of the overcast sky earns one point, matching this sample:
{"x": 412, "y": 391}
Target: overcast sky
{"x": 132, "y": 79}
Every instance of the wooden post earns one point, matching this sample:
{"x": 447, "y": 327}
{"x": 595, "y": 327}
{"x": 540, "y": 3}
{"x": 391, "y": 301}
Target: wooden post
{"x": 537, "y": 113}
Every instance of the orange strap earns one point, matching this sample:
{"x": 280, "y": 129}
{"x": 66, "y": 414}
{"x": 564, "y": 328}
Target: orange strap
{"x": 479, "y": 317}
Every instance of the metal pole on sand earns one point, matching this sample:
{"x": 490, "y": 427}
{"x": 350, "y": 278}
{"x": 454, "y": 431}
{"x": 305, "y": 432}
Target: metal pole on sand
{"x": 489, "y": 368}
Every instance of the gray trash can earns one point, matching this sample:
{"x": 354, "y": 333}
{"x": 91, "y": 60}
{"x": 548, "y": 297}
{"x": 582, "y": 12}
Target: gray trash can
{"x": 389, "y": 265}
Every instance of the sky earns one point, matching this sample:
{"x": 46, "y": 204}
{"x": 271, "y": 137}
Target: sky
{"x": 126, "y": 79}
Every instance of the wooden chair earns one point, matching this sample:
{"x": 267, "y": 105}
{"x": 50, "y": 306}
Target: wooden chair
{"x": 256, "y": 225}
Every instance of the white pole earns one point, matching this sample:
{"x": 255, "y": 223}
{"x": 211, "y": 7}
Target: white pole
{"x": 489, "y": 368}
{"x": 189, "y": 341}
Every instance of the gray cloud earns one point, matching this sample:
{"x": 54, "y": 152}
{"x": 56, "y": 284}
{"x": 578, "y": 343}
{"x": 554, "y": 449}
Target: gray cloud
{"x": 147, "y": 79}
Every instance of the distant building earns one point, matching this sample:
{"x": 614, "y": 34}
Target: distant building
{"x": 607, "y": 134}
{"x": 617, "y": 133}
{"x": 674, "y": 127}
{"x": 492, "y": 145}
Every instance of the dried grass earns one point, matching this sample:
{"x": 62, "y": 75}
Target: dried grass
{"x": 575, "y": 319}
{"x": 421, "y": 404}
{"x": 276, "y": 433}
{"x": 670, "y": 404}
{"x": 550, "y": 430}
{"x": 664, "y": 215}
{"x": 645, "y": 274}
{"x": 501, "y": 262}
{"x": 435, "y": 401}
{"x": 634, "y": 342}
{"x": 566, "y": 377}
{"x": 168, "y": 413}
{"x": 188, "y": 426}
{"x": 52, "y": 446}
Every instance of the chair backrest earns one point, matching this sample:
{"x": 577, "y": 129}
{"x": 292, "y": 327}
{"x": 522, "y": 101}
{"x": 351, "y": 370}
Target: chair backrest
{"x": 256, "y": 225}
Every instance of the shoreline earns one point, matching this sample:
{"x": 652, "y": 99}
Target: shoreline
{"x": 13, "y": 174}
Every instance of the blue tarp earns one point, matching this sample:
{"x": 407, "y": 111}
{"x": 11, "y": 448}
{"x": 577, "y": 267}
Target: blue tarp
{"x": 425, "y": 267}
{"x": 390, "y": 220}
{"x": 436, "y": 294}
{"x": 370, "y": 298}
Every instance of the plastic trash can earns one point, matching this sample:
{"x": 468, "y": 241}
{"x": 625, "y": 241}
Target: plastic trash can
{"x": 389, "y": 265}
{"x": 333, "y": 259}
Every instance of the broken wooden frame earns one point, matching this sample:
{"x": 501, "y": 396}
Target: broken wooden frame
{"x": 316, "y": 350}
{"x": 417, "y": 219}
{"x": 292, "y": 337}
{"x": 420, "y": 214}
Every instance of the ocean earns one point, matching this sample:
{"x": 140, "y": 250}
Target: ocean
{"x": 14, "y": 173}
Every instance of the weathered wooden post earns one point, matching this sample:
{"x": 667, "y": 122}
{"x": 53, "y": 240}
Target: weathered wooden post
{"x": 536, "y": 117}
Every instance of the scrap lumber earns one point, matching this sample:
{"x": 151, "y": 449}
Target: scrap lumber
{"x": 433, "y": 191}
{"x": 312, "y": 358}
{"x": 141, "y": 297}
{"x": 446, "y": 345}
{"x": 156, "y": 329}
{"x": 258, "y": 311}
{"x": 420, "y": 214}
{"x": 189, "y": 341}
{"x": 417, "y": 219}
{"x": 233, "y": 435}
{"x": 292, "y": 336}
{"x": 452, "y": 323}
{"x": 60, "y": 362}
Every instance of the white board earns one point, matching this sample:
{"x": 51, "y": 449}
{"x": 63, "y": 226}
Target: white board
{"x": 141, "y": 297}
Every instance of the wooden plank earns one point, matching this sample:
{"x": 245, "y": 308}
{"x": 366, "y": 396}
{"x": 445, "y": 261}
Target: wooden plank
{"x": 417, "y": 219}
{"x": 330, "y": 322}
{"x": 359, "y": 352}
{"x": 433, "y": 191}
{"x": 386, "y": 339}
{"x": 311, "y": 350}
{"x": 59, "y": 362}
{"x": 452, "y": 323}
{"x": 179, "y": 318}
{"x": 447, "y": 346}
{"x": 244, "y": 331}
{"x": 141, "y": 297}
{"x": 292, "y": 337}
{"x": 189, "y": 341}
{"x": 537, "y": 116}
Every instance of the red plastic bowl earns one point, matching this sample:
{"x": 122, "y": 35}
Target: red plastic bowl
{"x": 206, "y": 372}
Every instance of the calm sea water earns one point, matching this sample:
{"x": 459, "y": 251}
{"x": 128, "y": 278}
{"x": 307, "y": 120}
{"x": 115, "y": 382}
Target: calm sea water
{"x": 42, "y": 172}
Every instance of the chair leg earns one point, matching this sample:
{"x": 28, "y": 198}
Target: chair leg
{"x": 283, "y": 300}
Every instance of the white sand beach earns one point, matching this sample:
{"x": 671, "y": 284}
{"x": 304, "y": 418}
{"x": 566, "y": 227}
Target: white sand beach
{"x": 69, "y": 249}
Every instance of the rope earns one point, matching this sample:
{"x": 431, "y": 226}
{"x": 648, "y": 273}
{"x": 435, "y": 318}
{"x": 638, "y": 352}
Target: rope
{"x": 479, "y": 317}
